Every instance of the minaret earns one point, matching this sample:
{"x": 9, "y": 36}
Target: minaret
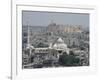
{"x": 28, "y": 40}
{"x": 28, "y": 37}
{"x": 28, "y": 34}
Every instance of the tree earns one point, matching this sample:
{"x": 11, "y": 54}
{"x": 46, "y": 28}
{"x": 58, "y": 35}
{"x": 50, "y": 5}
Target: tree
{"x": 69, "y": 60}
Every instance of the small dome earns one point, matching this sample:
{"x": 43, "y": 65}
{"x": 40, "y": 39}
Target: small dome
{"x": 30, "y": 47}
{"x": 55, "y": 45}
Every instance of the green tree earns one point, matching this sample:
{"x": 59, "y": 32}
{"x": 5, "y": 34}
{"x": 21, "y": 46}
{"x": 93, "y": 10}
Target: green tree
{"x": 68, "y": 60}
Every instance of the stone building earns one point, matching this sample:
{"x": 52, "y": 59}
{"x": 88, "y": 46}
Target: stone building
{"x": 51, "y": 53}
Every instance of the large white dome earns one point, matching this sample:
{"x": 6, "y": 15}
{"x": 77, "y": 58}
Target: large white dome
{"x": 60, "y": 44}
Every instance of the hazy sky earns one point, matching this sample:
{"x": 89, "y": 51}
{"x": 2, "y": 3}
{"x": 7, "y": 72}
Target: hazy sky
{"x": 44, "y": 18}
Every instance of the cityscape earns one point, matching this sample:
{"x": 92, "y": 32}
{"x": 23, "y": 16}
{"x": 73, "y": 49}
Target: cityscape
{"x": 54, "y": 45}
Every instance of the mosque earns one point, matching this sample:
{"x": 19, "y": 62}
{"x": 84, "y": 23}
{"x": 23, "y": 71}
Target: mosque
{"x": 49, "y": 53}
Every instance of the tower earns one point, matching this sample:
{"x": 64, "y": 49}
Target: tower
{"x": 28, "y": 37}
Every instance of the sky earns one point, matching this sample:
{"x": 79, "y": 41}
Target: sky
{"x": 34, "y": 18}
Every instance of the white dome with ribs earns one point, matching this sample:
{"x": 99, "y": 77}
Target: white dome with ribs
{"x": 60, "y": 44}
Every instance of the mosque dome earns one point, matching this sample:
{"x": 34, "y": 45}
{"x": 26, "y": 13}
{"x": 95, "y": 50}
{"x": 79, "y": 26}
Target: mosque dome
{"x": 30, "y": 47}
{"x": 60, "y": 40}
{"x": 60, "y": 44}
